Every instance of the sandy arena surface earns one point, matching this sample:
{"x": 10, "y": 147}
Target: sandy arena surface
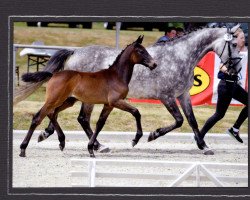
{"x": 47, "y": 166}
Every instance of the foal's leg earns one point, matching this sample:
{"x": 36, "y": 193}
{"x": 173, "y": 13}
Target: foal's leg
{"x": 99, "y": 125}
{"x": 70, "y": 101}
{"x": 37, "y": 119}
{"x": 186, "y": 105}
{"x": 170, "y": 104}
{"x": 122, "y": 105}
{"x": 83, "y": 119}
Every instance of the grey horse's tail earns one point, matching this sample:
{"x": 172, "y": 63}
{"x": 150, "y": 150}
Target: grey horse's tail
{"x": 36, "y": 77}
{"x": 55, "y": 64}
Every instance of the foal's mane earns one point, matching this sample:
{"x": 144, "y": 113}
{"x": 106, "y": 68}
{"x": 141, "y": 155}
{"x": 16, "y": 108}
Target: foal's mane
{"x": 118, "y": 57}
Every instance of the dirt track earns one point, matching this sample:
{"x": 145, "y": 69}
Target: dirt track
{"x": 46, "y": 166}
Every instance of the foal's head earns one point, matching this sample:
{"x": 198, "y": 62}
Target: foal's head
{"x": 141, "y": 56}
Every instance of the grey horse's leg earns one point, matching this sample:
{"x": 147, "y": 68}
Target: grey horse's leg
{"x": 61, "y": 136}
{"x": 185, "y": 102}
{"x": 84, "y": 120}
{"x": 170, "y": 104}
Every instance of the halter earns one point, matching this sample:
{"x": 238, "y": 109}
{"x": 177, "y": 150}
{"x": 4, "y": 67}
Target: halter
{"x": 230, "y": 61}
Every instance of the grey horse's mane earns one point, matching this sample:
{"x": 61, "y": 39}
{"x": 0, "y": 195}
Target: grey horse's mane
{"x": 176, "y": 39}
{"x": 180, "y": 38}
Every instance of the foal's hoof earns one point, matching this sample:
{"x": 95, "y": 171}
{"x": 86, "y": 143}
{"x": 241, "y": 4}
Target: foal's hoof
{"x": 151, "y": 137}
{"x": 96, "y": 147}
{"x": 208, "y": 151}
{"x": 133, "y": 143}
{"x": 62, "y": 145}
{"x": 92, "y": 155}
{"x": 91, "y": 151}
{"x": 42, "y": 137}
{"x": 201, "y": 145}
{"x": 22, "y": 154}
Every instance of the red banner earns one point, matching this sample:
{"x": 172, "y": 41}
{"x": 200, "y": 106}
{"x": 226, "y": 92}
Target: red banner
{"x": 203, "y": 80}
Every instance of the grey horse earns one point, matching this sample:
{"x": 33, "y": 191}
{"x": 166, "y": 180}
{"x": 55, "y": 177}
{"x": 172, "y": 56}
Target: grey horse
{"x": 172, "y": 79}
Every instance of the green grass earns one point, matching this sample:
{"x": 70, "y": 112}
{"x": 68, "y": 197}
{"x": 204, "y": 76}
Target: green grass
{"x": 153, "y": 116}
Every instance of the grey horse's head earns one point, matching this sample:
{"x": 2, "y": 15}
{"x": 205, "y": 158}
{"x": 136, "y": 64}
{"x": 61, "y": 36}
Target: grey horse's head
{"x": 225, "y": 48}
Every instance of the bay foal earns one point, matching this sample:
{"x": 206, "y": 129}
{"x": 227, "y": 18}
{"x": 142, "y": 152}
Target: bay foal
{"x": 108, "y": 87}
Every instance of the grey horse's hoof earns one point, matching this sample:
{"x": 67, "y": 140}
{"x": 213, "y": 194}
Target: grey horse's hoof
{"x": 22, "y": 154}
{"x": 103, "y": 149}
{"x": 208, "y": 151}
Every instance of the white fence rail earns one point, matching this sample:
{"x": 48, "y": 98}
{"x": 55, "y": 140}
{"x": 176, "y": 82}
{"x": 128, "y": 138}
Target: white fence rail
{"x": 126, "y": 136}
{"x": 98, "y": 171}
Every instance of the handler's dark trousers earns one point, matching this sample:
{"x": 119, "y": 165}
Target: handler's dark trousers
{"x": 227, "y": 91}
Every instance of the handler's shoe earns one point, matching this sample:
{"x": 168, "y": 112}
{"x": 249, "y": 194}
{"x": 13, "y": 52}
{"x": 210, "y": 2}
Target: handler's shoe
{"x": 235, "y": 135}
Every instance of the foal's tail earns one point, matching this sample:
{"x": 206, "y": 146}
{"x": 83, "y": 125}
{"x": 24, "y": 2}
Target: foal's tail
{"x": 55, "y": 64}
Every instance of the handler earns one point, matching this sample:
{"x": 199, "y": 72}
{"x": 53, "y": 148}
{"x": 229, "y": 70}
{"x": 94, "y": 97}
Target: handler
{"x": 228, "y": 89}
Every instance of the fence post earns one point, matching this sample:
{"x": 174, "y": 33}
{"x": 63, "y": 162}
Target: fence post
{"x": 118, "y": 27}
{"x": 198, "y": 177}
{"x": 14, "y": 67}
{"x": 92, "y": 164}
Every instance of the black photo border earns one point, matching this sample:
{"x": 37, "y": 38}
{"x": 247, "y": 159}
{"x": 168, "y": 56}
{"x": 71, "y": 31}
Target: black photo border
{"x": 105, "y": 10}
